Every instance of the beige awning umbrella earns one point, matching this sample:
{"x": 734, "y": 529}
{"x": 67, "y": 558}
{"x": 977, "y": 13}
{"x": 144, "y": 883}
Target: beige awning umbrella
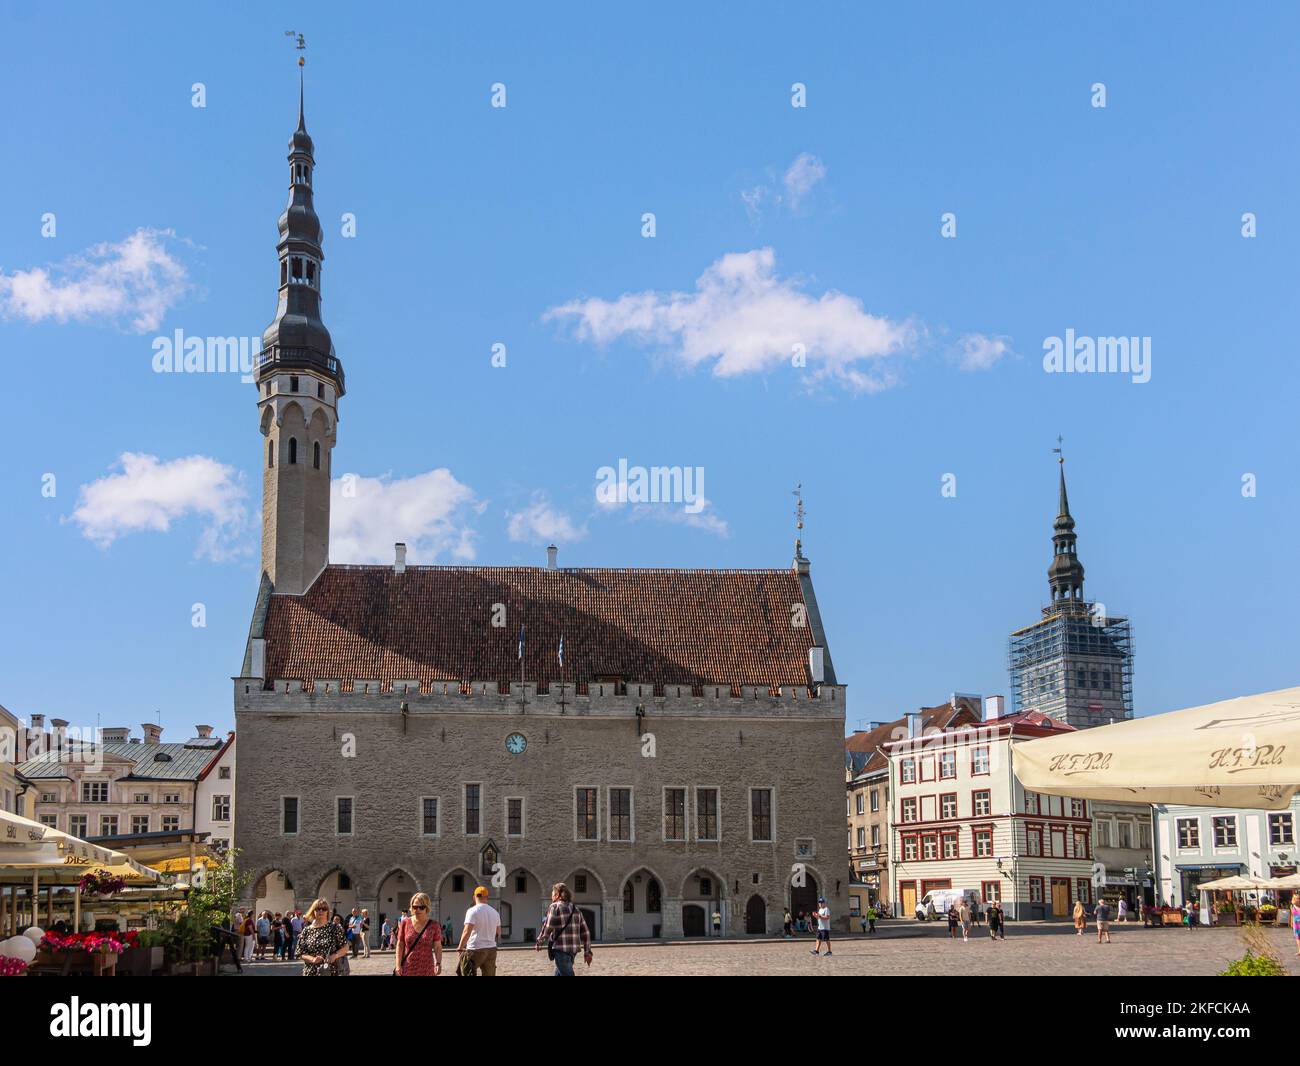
{"x": 1290, "y": 881}
{"x": 1243, "y": 752}
{"x": 1236, "y": 883}
{"x": 59, "y": 859}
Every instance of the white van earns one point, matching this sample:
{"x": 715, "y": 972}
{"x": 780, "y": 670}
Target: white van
{"x": 935, "y": 904}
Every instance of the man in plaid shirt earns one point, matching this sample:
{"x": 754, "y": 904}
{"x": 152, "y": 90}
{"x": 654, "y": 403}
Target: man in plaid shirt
{"x": 564, "y": 931}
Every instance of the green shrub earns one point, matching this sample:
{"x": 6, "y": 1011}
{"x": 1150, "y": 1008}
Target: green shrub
{"x": 1251, "y": 965}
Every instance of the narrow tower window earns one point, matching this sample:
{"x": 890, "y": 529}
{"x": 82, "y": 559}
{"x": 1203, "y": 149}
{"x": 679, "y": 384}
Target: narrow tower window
{"x": 293, "y": 451}
{"x": 315, "y": 455}
{"x": 293, "y": 382}
{"x": 284, "y": 272}
{"x": 270, "y": 453}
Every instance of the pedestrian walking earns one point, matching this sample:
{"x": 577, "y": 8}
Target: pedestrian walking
{"x": 995, "y": 919}
{"x": 872, "y": 915}
{"x": 1080, "y": 917}
{"x": 952, "y": 921}
{"x": 823, "y": 927}
{"x": 295, "y": 931}
{"x": 479, "y": 937}
{"x": 788, "y": 924}
{"x": 263, "y": 934}
{"x": 364, "y": 928}
{"x": 419, "y": 942}
{"x": 964, "y": 917}
{"x": 322, "y": 945}
{"x": 385, "y": 935}
{"x": 1102, "y": 914}
{"x": 249, "y": 934}
{"x": 1295, "y": 919}
{"x": 564, "y": 932}
{"x": 1123, "y": 909}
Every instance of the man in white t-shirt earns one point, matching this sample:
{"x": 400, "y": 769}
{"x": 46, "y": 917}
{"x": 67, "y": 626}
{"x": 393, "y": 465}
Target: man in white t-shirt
{"x": 823, "y": 927}
{"x": 479, "y": 937}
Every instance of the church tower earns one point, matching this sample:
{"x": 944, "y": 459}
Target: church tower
{"x": 299, "y": 382}
{"x": 1076, "y": 663}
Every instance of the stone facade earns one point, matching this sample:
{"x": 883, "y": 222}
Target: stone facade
{"x": 319, "y": 746}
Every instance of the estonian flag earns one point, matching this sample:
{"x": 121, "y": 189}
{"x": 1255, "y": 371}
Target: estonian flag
{"x": 521, "y": 641}
{"x": 561, "y": 650}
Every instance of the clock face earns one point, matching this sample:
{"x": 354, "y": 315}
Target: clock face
{"x": 515, "y": 743}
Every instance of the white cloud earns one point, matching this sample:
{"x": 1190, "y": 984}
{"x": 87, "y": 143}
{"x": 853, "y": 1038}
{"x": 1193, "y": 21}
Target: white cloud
{"x": 428, "y": 512}
{"x": 804, "y": 173}
{"x": 150, "y": 494}
{"x": 744, "y": 319}
{"x": 706, "y": 519}
{"x": 135, "y": 281}
{"x": 978, "y": 352}
{"x": 540, "y": 522}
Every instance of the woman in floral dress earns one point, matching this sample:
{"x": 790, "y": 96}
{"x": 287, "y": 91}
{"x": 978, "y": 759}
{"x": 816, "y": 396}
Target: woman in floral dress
{"x": 321, "y": 943}
{"x": 419, "y": 942}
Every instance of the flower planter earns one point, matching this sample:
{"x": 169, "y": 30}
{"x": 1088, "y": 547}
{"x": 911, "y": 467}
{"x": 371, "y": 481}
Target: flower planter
{"x": 141, "y": 962}
{"x": 103, "y": 963}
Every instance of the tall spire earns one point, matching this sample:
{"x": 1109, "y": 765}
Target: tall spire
{"x": 1065, "y": 575}
{"x": 302, "y": 120}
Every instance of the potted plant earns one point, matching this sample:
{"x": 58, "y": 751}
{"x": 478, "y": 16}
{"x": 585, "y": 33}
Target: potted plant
{"x": 144, "y": 953}
{"x": 12, "y": 967}
{"x": 192, "y": 943}
{"x": 92, "y": 953}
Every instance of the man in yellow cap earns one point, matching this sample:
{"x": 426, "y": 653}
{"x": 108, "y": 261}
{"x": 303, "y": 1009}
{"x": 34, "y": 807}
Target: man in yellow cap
{"x": 479, "y": 937}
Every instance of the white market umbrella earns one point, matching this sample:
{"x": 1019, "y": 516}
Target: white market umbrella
{"x": 1242, "y": 752}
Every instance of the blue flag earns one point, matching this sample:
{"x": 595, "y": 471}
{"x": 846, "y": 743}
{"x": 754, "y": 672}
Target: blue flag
{"x": 561, "y": 649}
{"x": 521, "y": 641}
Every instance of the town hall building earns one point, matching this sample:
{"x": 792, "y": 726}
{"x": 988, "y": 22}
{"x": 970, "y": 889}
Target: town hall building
{"x": 415, "y": 728}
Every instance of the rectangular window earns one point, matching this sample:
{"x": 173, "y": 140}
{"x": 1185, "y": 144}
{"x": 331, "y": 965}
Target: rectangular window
{"x": 1078, "y": 809}
{"x": 991, "y": 890}
{"x": 674, "y": 814}
{"x": 1103, "y": 834}
{"x": 171, "y": 823}
{"x": 139, "y": 823}
{"x": 909, "y": 810}
{"x": 950, "y": 845}
{"x": 221, "y": 808}
{"x": 1058, "y": 843}
{"x": 77, "y": 825}
{"x": 142, "y": 797}
{"x": 979, "y": 762}
{"x": 875, "y": 836}
{"x": 909, "y": 848}
{"x": 1189, "y": 834}
{"x": 907, "y": 771}
{"x": 289, "y": 815}
{"x": 108, "y": 825}
{"x": 51, "y": 820}
{"x": 223, "y": 773}
{"x": 1084, "y": 889}
{"x": 947, "y": 765}
{"x": 1225, "y": 832}
{"x": 620, "y": 814}
{"x": 983, "y": 842}
{"x": 1081, "y": 844}
{"x": 429, "y": 816}
{"x": 1031, "y": 803}
{"x": 94, "y": 792}
{"x": 343, "y": 821}
{"x": 172, "y": 797}
{"x": 514, "y": 817}
{"x": 982, "y": 803}
{"x": 927, "y": 768}
{"x": 1035, "y": 890}
{"x": 862, "y": 838}
{"x": 948, "y": 805}
{"x": 586, "y": 827}
{"x": 929, "y": 847}
{"x": 861, "y": 803}
{"x": 1125, "y": 834}
{"x": 1281, "y": 829}
{"x": 760, "y": 814}
{"x": 1034, "y": 840}
{"x": 473, "y": 810}
{"x": 706, "y": 813}
{"x": 875, "y": 800}
{"x": 1144, "y": 836}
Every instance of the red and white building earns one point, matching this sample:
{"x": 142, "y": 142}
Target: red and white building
{"x": 960, "y": 819}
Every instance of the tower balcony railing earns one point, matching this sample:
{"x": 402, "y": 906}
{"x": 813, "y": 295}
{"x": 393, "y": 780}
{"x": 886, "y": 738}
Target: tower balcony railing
{"x": 300, "y": 359}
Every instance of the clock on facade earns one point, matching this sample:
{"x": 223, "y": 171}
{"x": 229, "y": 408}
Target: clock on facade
{"x": 515, "y": 743}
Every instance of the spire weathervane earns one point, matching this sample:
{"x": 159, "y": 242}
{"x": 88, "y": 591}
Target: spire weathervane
{"x": 301, "y": 45}
{"x": 798, "y": 514}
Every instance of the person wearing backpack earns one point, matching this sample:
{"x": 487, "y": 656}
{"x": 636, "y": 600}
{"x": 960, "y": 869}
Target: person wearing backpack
{"x": 564, "y": 930}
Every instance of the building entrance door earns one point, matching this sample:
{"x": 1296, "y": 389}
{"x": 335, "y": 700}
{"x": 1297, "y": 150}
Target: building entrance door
{"x": 756, "y": 915}
{"x": 907, "y": 899}
{"x": 692, "y": 920}
{"x": 1060, "y": 897}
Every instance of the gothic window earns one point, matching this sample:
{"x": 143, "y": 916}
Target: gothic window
{"x": 315, "y": 455}
{"x": 293, "y": 451}
{"x": 270, "y": 453}
{"x": 629, "y": 899}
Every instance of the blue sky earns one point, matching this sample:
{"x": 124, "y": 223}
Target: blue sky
{"x": 474, "y": 222}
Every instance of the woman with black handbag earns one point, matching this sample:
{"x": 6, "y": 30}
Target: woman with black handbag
{"x": 419, "y": 942}
{"x": 321, "y": 944}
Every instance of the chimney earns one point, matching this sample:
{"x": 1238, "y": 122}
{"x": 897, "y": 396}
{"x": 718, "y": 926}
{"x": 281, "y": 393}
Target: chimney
{"x": 973, "y": 698}
{"x": 913, "y": 725}
{"x": 60, "y": 733}
{"x": 552, "y": 552}
{"x": 994, "y": 708}
{"x": 38, "y": 722}
{"x": 204, "y": 731}
{"x": 115, "y": 734}
{"x": 152, "y": 732}
{"x": 399, "y": 558}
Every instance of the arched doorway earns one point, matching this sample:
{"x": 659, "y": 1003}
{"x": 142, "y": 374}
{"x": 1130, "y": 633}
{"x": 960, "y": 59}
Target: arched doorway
{"x": 643, "y": 906}
{"x": 520, "y": 907}
{"x": 589, "y": 895}
{"x": 702, "y": 898}
{"x": 395, "y": 892}
{"x": 756, "y": 915}
{"x": 338, "y": 890}
{"x": 803, "y": 899}
{"x": 455, "y": 897}
{"x": 273, "y": 892}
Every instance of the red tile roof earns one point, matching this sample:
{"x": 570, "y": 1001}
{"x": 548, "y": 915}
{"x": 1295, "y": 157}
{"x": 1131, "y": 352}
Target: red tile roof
{"x": 433, "y": 623}
{"x": 863, "y": 743}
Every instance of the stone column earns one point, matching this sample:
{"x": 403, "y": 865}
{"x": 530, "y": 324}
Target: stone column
{"x": 672, "y": 918}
